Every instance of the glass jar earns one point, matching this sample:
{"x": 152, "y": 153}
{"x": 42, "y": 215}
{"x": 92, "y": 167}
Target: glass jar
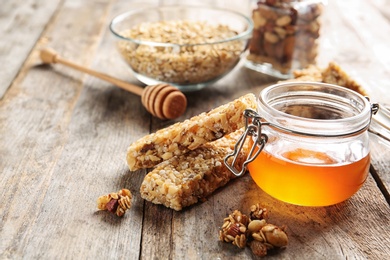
{"x": 309, "y": 142}
{"x": 285, "y": 36}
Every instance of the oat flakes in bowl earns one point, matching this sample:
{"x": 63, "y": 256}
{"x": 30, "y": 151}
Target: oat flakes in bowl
{"x": 186, "y": 46}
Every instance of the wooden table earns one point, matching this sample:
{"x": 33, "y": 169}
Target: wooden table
{"x": 64, "y": 135}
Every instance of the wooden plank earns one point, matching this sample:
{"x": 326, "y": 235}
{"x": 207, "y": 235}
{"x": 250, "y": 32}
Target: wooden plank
{"x": 383, "y": 7}
{"x": 21, "y": 24}
{"x": 47, "y": 172}
{"x": 355, "y": 35}
{"x": 156, "y": 230}
{"x": 380, "y": 153}
{"x": 64, "y": 136}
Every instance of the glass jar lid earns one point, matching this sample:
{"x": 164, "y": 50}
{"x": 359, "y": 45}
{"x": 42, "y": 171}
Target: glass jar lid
{"x": 315, "y": 109}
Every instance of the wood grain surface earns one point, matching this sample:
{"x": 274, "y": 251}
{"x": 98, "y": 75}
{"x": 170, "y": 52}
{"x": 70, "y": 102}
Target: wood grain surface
{"x": 21, "y": 24}
{"x": 64, "y": 135}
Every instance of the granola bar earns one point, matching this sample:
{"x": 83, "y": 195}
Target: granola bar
{"x": 188, "y": 135}
{"x": 311, "y": 73}
{"x": 333, "y": 74}
{"x": 186, "y": 179}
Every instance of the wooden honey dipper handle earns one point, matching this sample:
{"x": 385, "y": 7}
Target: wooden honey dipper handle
{"x": 162, "y": 100}
{"x": 50, "y": 56}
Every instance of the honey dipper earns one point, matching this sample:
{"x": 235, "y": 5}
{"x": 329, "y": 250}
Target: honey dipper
{"x": 162, "y": 100}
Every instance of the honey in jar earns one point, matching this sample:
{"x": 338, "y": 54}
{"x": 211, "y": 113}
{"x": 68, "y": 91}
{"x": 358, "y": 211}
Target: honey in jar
{"x": 306, "y": 177}
{"x": 309, "y": 142}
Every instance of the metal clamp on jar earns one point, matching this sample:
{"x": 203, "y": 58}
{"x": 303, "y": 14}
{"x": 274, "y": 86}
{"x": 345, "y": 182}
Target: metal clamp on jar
{"x": 309, "y": 143}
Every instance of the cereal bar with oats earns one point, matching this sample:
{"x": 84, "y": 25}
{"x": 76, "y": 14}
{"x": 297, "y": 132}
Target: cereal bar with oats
{"x": 188, "y": 135}
{"x": 333, "y": 74}
{"x": 311, "y": 73}
{"x": 185, "y": 179}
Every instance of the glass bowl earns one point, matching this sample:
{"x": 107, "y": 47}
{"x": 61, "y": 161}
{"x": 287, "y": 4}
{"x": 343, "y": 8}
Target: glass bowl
{"x": 188, "y": 47}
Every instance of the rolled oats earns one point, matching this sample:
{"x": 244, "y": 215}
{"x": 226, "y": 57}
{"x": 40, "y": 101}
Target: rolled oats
{"x": 192, "y": 58}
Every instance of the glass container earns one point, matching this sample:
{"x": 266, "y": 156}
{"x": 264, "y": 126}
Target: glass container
{"x": 189, "y": 47}
{"x": 285, "y": 36}
{"x": 309, "y": 142}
